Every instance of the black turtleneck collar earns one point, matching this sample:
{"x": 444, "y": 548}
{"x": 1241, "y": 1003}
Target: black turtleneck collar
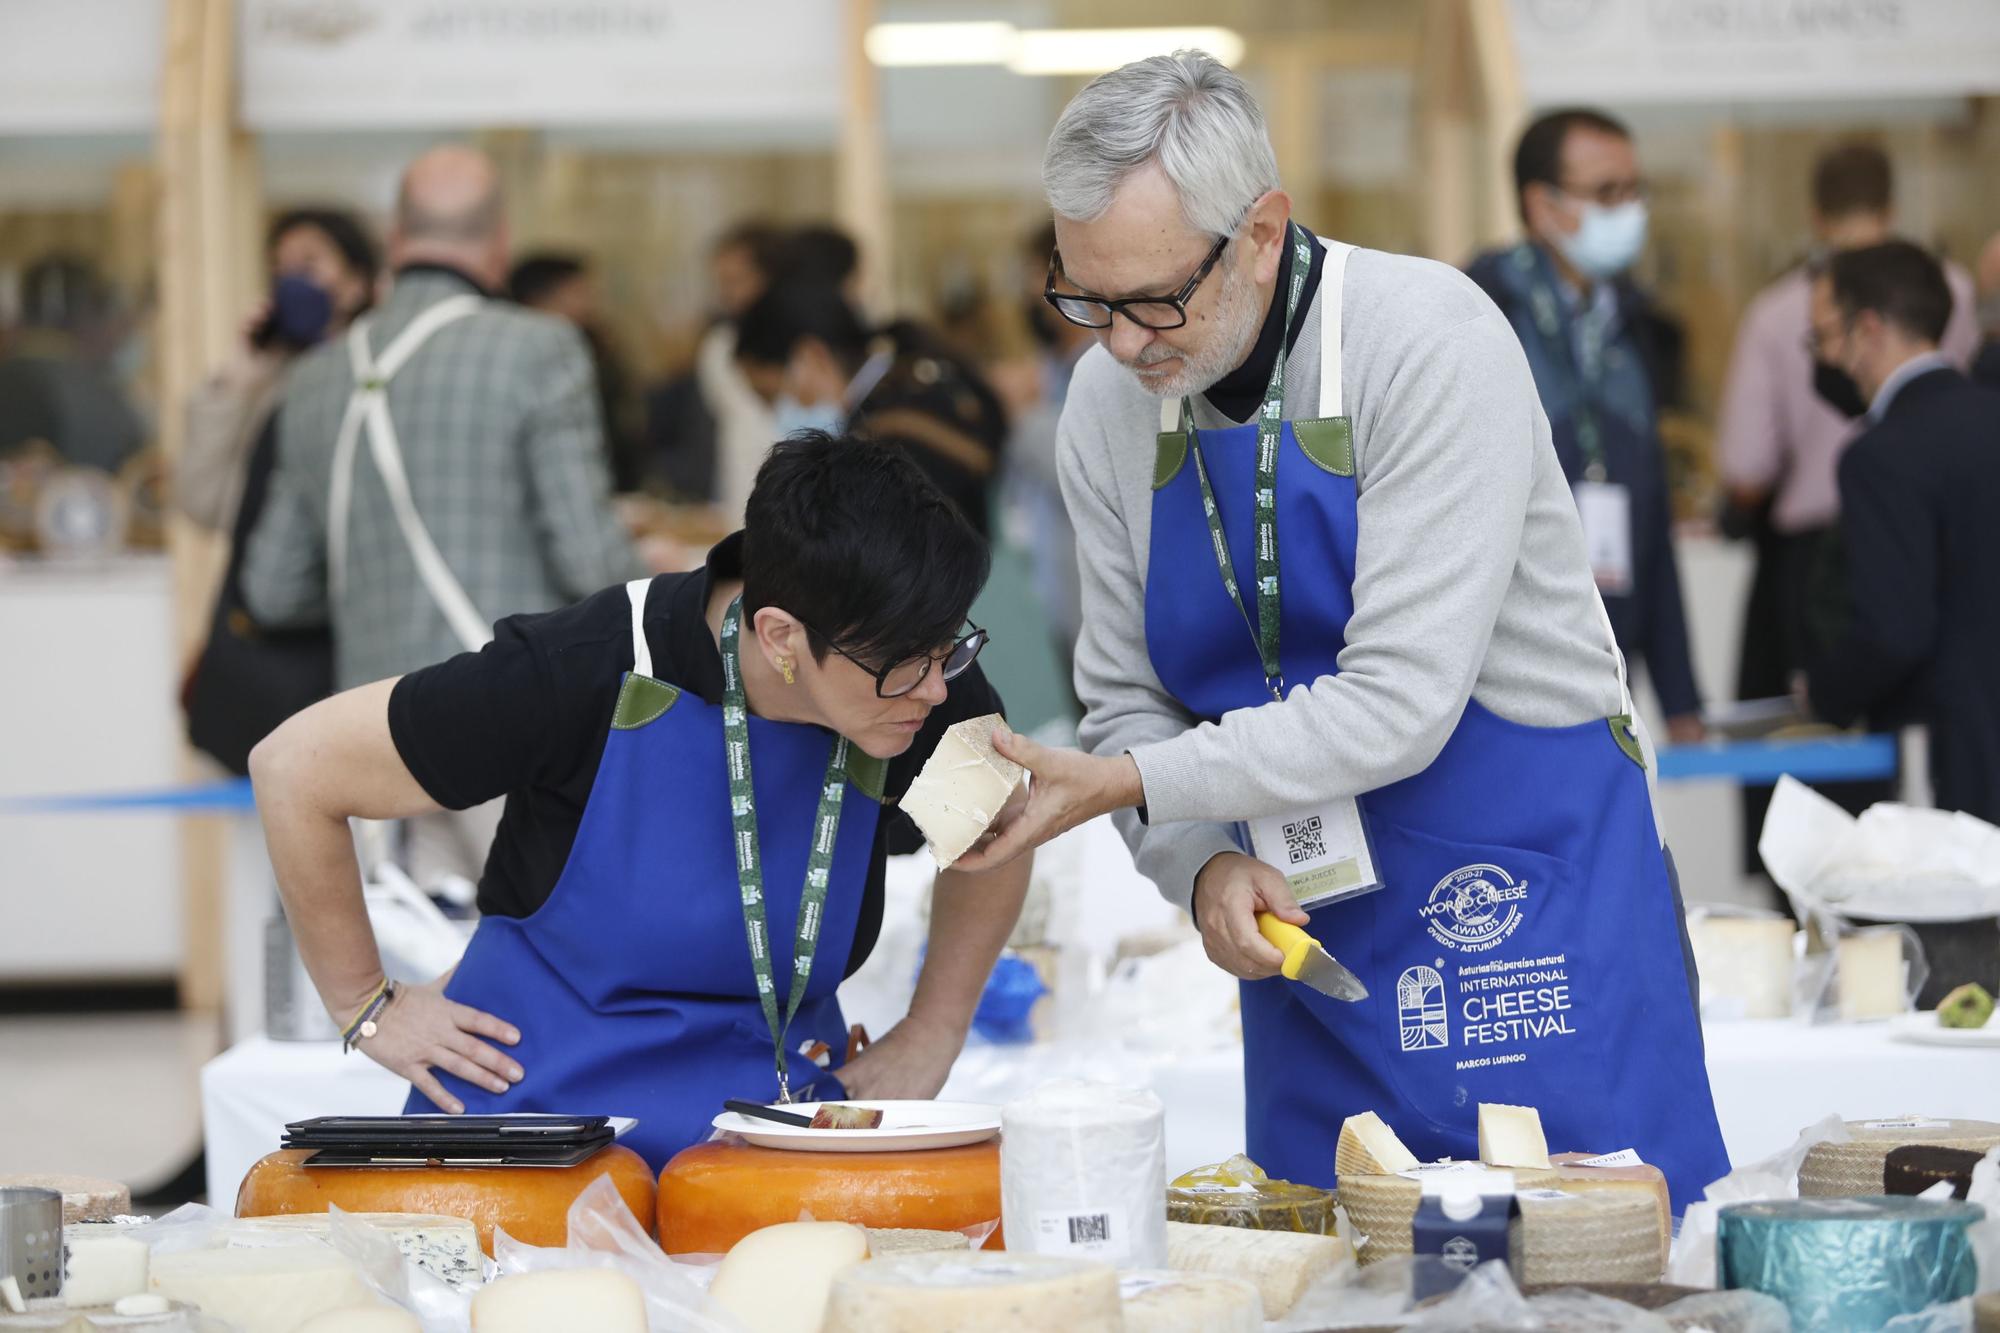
{"x": 1240, "y": 393}
{"x": 432, "y": 268}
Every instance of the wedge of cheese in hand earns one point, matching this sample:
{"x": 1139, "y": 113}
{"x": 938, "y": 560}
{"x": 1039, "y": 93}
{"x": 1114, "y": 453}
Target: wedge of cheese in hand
{"x": 1512, "y": 1136}
{"x": 776, "y": 1280}
{"x": 961, "y": 789}
{"x": 1368, "y": 1147}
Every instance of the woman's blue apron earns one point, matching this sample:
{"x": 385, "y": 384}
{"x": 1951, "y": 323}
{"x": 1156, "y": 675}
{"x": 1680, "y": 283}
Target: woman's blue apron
{"x": 1525, "y": 947}
{"x": 632, "y": 986}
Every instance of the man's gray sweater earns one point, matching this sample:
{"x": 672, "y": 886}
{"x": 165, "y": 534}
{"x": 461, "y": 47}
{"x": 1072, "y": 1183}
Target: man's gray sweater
{"x": 1470, "y": 574}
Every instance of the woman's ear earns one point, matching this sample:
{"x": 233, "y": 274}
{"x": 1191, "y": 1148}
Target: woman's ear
{"x": 779, "y": 636}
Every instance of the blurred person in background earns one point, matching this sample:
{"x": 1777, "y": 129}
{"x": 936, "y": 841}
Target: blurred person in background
{"x": 439, "y": 468}
{"x": 811, "y": 356}
{"x": 1603, "y": 375}
{"x": 820, "y": 254}
{"x": 1914, "y": 629}
{"x": 707, "y": 429}
{"x": 563, "y": 285}
{"x": 1779, "y": 437}
{"x": 1031, "y": 497}
{"x": 56, "y": 384}
{"x": 1986, "y": 365}
{"x": 323, "y": 269}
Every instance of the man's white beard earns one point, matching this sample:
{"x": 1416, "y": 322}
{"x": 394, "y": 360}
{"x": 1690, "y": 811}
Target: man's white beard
{"x": 1235, "y": 331}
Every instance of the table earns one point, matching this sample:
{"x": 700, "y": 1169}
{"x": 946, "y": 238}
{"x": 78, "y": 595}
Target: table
{"x": 1770, "y": 1079}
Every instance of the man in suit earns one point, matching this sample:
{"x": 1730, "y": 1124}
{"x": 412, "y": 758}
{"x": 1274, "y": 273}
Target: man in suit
{"x": 1919, "y": 489}
{"x": 1602, "y": 361}
{"x": 495, "y": 497}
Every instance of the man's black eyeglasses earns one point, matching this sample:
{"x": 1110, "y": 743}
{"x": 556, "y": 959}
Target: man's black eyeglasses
{"x": 899, "y": 678}
{"x": 1148, "y": 312}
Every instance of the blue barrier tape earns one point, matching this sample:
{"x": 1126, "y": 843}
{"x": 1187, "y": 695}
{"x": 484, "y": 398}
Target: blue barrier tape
{"x": 1831, "y": 759}
{"x": 228, "y": 797}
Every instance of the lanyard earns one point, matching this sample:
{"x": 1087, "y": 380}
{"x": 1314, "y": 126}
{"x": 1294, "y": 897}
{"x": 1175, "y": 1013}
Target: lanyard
{"x": 1270, "y": 429}
{"x": 749, "y": 860}
{"x": 1542, "y": 303}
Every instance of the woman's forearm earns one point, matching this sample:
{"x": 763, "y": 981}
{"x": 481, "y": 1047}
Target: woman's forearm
{"x": 971, "y": 917}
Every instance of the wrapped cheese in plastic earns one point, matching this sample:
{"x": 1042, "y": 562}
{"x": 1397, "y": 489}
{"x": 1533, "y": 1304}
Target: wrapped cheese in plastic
{"x": 1237, "y": 1193}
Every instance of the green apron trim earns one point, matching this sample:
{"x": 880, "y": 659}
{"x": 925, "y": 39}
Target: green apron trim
{"x": 1328, "y": 442}
{"x": 866, "y": 772}
{"x": 641, "y": 700}
{"x": 1621, "y": 731}
{"x": 1171, "y": 456}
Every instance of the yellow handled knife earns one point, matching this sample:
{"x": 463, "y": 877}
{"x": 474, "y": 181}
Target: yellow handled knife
{"x": 1307, "y": 962}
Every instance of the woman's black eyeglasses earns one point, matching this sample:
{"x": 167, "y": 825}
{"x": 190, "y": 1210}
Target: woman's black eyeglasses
{"x": 899, "y": 678}
{"x": 1148, "y": 312}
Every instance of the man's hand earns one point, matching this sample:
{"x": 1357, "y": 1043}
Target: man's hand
{"x": 1686, "y": 729}
{"x": 1065, "y": 788}
{"x": 912, "y": 1060}
{"x": 1228, "y": 893}
{"x": 422, "y": 1030}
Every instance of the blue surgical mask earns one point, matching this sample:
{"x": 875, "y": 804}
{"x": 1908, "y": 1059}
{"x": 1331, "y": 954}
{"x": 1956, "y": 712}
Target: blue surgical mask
{"x": 1608, "y": 240}
{"x": 793, "y": 416}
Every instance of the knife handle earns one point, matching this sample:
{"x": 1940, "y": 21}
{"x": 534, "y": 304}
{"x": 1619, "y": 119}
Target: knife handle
{"x": 1294, "y": 942}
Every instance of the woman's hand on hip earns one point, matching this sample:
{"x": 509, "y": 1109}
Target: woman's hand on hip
{"x": 421, "y": 1031}
{"x": 1228, "y": 894}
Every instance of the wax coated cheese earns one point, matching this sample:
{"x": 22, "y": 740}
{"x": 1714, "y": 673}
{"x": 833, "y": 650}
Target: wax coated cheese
{"x": 1281, "y": 1264}
{"x": 1870, "y": 969}
{"x": 1368, "y": 1147}
{"x": 262, "y": 1291}
{"x": 594, "y": 1298}
{"x": 357, "y": 1320}
{"x": 446, "y": 1247}
{"x": 1512, "y": 1136}
{"x": 102, "y": 1269}
{"x": 776, "y": 1280}
{"x": 961, "y": 789}
{"x": 975, "y": 1292}
{"x": 1159, "y": 1300}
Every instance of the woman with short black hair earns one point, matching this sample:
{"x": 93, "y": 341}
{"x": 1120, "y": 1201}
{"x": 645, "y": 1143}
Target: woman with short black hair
{"x": 673, "y": 753}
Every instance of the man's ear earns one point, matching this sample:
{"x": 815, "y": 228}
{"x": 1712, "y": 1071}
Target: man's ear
{"x": 1266, "y": 227}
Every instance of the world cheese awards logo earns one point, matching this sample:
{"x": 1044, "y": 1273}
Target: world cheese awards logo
{"x": 1474, "y": 907}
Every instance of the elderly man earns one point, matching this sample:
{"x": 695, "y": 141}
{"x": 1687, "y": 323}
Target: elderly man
{"x": 440, "y": 467}
{"x": 1342, "y": 651}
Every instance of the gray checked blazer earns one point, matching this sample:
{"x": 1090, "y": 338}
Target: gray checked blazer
{"x": 498, "y": 419}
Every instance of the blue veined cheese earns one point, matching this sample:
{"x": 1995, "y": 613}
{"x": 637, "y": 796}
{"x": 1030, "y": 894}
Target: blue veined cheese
{"x": 445, "y": 1247}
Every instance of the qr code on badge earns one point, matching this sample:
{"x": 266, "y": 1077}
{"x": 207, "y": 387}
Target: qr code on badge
{"x": 1305, "y": 840}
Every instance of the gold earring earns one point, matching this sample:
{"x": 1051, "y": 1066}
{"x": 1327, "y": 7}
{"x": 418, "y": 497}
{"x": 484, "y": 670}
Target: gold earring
{"x": 785, "y": 670}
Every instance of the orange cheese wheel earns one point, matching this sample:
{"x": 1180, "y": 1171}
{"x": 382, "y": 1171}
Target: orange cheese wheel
{"x": 714, "y": 1194}
{"x": 530, "y": 1203}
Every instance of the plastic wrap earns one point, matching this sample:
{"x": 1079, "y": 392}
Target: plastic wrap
{"x": 1379, "y": 1297}
{"x": 1727, "y": 1312}
{"x": 1850, "y": 1264}
{"x": 1692, "y": 1262}
{"x": 1237, "y": 1193}
{"x": 1083, "y": 1171}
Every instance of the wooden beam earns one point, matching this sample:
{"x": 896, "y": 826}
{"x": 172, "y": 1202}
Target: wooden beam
{"x": 1445, "y": 157}
{"x": 1501, "y": 114}
{"x": 861, "y": 167}
{"x": 1292, "y": 114}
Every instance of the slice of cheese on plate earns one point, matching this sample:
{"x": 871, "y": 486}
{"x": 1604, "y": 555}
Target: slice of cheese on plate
{"x": 1368, "y": 1147}
{"x": 961, "y": 789}
{"x": 1512, "y": 1136}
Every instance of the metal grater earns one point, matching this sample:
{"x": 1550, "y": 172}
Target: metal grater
{"x": 31, "y": 1239}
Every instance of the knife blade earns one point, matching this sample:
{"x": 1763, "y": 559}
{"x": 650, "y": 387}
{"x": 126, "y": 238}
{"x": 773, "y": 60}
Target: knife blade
{"x": 1308, "y": 963}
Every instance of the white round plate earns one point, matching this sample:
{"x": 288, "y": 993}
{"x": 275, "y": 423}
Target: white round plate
{"x": 906, "y": 1127}
{"x": 1924, "y": 1029}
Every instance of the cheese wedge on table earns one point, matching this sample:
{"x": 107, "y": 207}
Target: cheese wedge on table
{"x": 1368, "y": 1147}
{"x": 1574, "y": 1174}
{"x": 1159, "y": 1300}
{"x": 961, "y": 789}
{"x": 1512, "y": 1136}
{"x": 445, "y": 1247}
{"x": 262, "y": 1291}
{"x": 776, "y": 1280}
{"x": 1281, "y": 1264}
{"x": 597, "y": 1299}
{"x": 977, "y": 1292}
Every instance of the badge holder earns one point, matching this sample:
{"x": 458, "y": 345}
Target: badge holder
{"x": 1326, "y": 854}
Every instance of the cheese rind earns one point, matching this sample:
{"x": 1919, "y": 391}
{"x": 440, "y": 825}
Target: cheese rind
{"x": 1512, "y": 1136}
{"x": 1160, "y": 1300}
{"x": 1647, "y": 1181}
{"x": 777, "y": 1280}
{"x": 1368, "y": 1147}
{"x": 976, "y": 1292}
{"x": 262, "y": 1291}
{"x": 102, "y": 1269}
{"x": 1281, "y": 1264}
{"x": 597, "y": 1299}
{"x": 85, "y": 1198}
{"x": 962, "y": 788}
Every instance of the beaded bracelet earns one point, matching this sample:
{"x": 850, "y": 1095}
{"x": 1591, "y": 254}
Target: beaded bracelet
{"x": 363, "y": 1025}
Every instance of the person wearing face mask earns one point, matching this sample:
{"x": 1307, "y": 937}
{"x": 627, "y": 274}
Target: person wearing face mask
{"x": 1603, "y": 369}
{"x": 701, "y": 774}
{"x": 323, "y": 270}
{"x": 808, "y": 352}
{"x": 1343, "y": 661}
{"x": 1910, "y": 626}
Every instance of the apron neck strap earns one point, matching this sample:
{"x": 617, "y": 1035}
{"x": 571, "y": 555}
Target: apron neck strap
{"x": 642, "y": 652}
{"x": 1331, "y": 282}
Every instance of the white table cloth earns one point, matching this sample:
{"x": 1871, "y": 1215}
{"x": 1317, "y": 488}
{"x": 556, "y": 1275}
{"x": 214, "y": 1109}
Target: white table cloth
{"x": 1770, "y": 1079}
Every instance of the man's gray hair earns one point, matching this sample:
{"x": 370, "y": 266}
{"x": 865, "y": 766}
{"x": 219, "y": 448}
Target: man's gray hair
{"x": 1185, "y": 111}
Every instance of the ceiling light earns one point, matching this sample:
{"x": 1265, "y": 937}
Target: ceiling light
{"x": 896, "y": 44}
{"x": 1095, "y": 50}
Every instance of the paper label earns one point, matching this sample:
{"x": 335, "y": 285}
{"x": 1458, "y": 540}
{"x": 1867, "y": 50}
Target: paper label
{"x": 1606, "y": 511}
{"x": 1460, "y": 1178}
{"x": 1323, "y": 854}
{"x": 1216, "y": 1187}
{"x": 1441, "y": 1169}
{"x": 1906, "y": 1124}
{"x": 1624, "y": 1157}
{"x": 1090, "y": 1233}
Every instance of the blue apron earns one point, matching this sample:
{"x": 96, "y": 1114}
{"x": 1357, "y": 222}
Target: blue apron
{"x": 1525, "y": 947}
{"x": 632, "y": 986}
